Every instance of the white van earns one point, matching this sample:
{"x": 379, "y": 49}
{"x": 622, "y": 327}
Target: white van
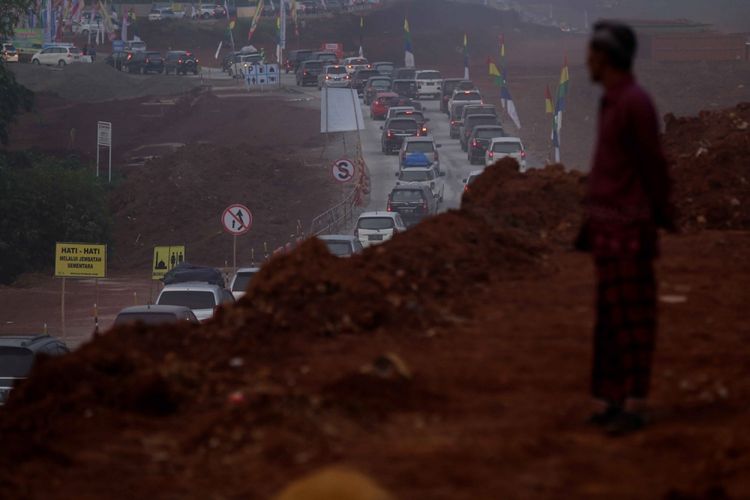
{"x": 502, "y": 147}
{"x": 374, "y": 228}
{"x": 429, "y": 83}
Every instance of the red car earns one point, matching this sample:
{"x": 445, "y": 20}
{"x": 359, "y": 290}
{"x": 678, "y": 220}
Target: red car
{"x": 381, "y": 103}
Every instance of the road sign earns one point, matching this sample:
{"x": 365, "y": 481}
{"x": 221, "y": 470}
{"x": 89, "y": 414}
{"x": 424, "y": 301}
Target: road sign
{"x": 104, "y": 134}
{"x": 80, "y": 260}
{"x": 237, "y": 219}
{"x": 165, "y": 259}
{"x": 343, "y": 170}
{"x": 118, "y": 45}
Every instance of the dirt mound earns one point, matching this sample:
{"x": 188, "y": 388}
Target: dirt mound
{"x": 710, "y": 166}
{"x": 98, "y": 82}
{"x": 543, "y": 204}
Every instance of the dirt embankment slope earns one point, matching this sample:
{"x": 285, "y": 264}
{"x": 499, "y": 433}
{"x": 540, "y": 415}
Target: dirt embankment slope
{"x": 451, "y": 362}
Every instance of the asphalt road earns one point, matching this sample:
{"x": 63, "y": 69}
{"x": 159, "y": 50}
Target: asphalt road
{"x": 383, "y": 168}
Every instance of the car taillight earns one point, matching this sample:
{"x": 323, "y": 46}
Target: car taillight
{"x": 305, "y": 73}
{"x": 148, "y": 60}
{"x": 474, "y": 143}
{"x": 179, "y": 61}
{"x": 196, "y": 60}
{"x": 328, "y": 77}
{"x": 388, "y": 207}
{"x": 390, "y": 132}
{"x": 491, "y": 154}
{"x": 523, "y": 154}
{"x": 424, "y": 205}
{"x": 424, "y": 130}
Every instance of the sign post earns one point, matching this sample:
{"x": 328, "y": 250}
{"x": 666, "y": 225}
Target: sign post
{"x": 78, "y": 260}
{"x": 343, "y": 170}
{"x": 236, "y": 220}
{"x": 104, "y": 138}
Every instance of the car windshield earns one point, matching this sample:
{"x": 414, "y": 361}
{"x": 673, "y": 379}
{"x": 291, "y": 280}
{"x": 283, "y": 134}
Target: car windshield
{"x": 75, "y": 51}
{"x": 375, "y": 223}
{"x": 406, "y": 195}
{"x": 148, "y": 318}
{"x": 471, "y": 179}
{"x": 15, "y": 362}
{"x": 488, "y": 133}
{"x": 409, "y": 175}
{"x": 429, "y": 75}
{"x": 9, "y": 48}
{"x": 473, "y": 121}
{"x": 365, "y": 74}
{"x": 464, "y": 85}
{"x": 388, "y": 67}
{"x": 327, "y": 57}
{"x": 507, "y": 147}
{"x": 153, "y": 54}
{"x": 480, "y": 111}
{"x": 380, "y": 84}
{"x": 242, "y": 280}
{"x": 402, "y": 125}
{"x": 407, "y": 74}
{"x": 339, "y": 248}
{"x": 449, "y": 86}
{"x": 404, "y": 85}
{"x": 336, "y": 70}
{"x": 313, "y": 65}
{"x": 467, "y": 96}
{"x": 420, "y": 147}
{"x": 358, "y": 61}
{"x": 192, "y": 299}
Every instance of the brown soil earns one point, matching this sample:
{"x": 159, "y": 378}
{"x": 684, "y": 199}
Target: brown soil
{"x": 455, "y": 356}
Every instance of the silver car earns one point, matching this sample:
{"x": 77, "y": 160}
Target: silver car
{"x": 241, "y": 279}
{"x": 341, "y": 245}
{"x": 201, "y": 298}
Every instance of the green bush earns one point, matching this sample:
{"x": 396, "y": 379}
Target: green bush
{"x": 44, "y": 200}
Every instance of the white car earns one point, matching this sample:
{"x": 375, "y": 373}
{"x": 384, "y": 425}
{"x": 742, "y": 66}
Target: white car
{"x": 8, "y": 53}
{"x": 502, "y": 147}
{"x": 374, "y": 228}
{"x": 420, "y": 144}
{"x": 424, "y": 176}
{"x": 429, "y": 83}
{"x": 470, "y": 179}
{"x": 394, "y": 110}
{"x": 241, "y": 279}
{"x": 467, "y": 97}
{"x": 341, "y": 245}
{"x": 57, "y": 56}
{"x": 201, "y": 298}
{"x": 162, "y": 13}
{"x": 334, "y": 76}
{"x": 352, "y": 64}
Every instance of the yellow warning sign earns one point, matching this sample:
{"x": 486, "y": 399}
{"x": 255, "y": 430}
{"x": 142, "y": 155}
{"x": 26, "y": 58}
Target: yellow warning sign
{"x": 165, "y": 258}
{"x": 80, "y": 260}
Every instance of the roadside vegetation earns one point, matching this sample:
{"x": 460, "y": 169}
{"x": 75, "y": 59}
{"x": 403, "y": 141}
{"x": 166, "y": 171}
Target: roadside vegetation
{"x": 45, "y": 200}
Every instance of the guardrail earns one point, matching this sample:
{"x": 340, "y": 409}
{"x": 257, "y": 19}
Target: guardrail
{"x": 336, "y": 217}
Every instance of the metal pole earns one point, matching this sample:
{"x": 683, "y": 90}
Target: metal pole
{"x": 97, "y": 157}
{"x": 110, "y": 163}
{"x": 62, "y": 309}
{"x": 234, "y": 253}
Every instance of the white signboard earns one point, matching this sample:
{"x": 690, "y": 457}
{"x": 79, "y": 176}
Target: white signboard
{"x": 340, "y": 111}
{"x": 104, "y": 134}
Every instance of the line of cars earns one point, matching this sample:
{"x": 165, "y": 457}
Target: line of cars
{"x": 136, "y": 58}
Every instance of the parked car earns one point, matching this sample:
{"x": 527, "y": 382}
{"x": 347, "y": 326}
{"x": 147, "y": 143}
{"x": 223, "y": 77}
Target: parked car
{"x": 384, "y": 68}
{"x": 241, "y": 280}
{"x": 135, "y": 46}
{"x": 425, "y": 145}
{"x": 201, "y": 298}
{"x": 412, "y": 203}
{"x": 428, "y": 83}
{"x": 467, "y": 127}
{"x": 57, "y": 56}
{"x": 341, "y": 245}
{"x": 374, "y": 86}
{"x": 308, "y": 72}
{"x": 502, "y": 147}
{"x": 374, "y": 228}
{"x": 425, "y": 175}
{"x": 18, "y": 354}
{"x": 162, "y": 13}
{"x": 404, "y": 73}
{"x": 180, "y": 62}
{"x": 479, "y": 141}
{"x": 352, "y": 64}
{"x": 333, "y": 76}
{"x": 381, "y": 104}
{"x": 9, "y": 53}
{"x": 394, "y": 132}
{"x": 116, "y": 59}
{"x": 295, "y": 58}
{"x": 155, "y": 315}
{"x": 144, "y": 62}
{"x": 406, "y": 88}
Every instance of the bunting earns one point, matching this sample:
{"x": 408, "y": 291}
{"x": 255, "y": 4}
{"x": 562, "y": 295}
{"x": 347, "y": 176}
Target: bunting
{"x": 256, "y": 19}
{"x": 408, "y": 48}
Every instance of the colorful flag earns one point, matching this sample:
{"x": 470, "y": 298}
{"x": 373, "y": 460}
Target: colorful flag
{"x": 508, "y": 103}
{"x": 502, "y": 51}
{"x": 408, "y": 49}
{"x": 548, "y": 105}
{"x": 466, "y": 57}
{"x": 562, "y": 94}
{"x": 295, "y": 17}
{"x": 218, "y": 49}
{"x": 556, "y": 138}
{"x": 494, "y": 72}
{"x": 361, "y": 36}
{"x": 256, "y": 19}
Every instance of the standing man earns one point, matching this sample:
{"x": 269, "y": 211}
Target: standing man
{"x": 627, "y": 202}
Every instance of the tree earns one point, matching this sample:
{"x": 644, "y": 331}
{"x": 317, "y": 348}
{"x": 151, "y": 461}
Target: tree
{"x": 14, "y": 97}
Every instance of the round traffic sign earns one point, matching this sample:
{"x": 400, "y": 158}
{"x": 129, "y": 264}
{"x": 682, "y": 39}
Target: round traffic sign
{"x": 343, "y": 170}
{"x": 237, "y": 219}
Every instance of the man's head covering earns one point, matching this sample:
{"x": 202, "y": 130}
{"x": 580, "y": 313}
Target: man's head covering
{"x": 617, "y": 40}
